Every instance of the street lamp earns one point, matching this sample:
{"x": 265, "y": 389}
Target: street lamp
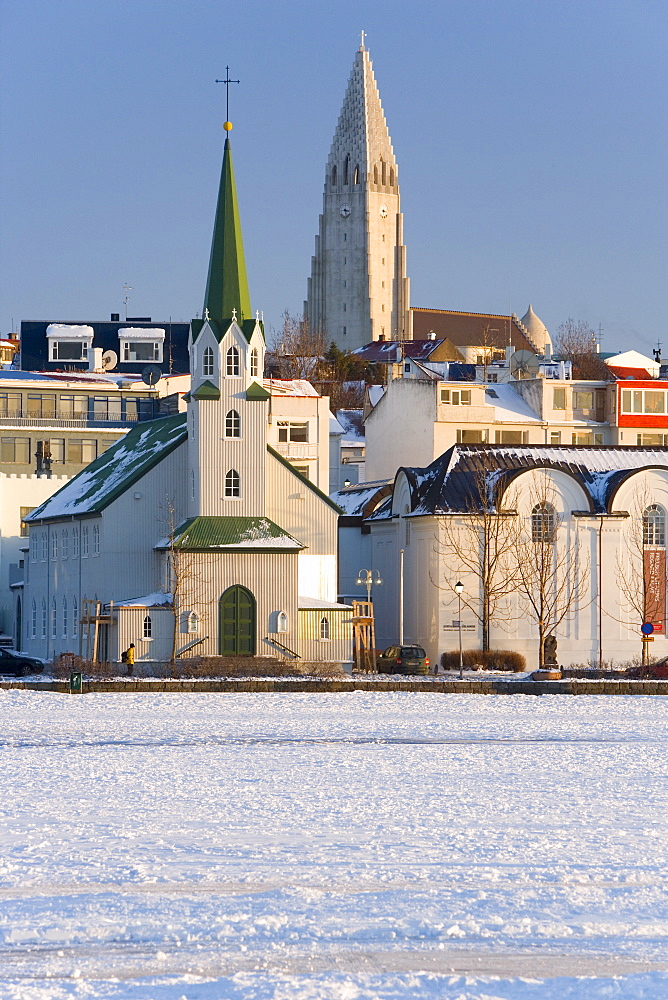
{"x": 459, "y": 588}
{"x": 365, "y": 578}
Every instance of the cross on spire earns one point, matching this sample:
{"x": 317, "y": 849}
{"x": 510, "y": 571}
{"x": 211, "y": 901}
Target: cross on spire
{"x": 227, "y": 83}
{"x": 363, "y": 35}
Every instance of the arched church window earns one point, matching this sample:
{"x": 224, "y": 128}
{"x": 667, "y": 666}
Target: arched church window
{"x": 33, "y": 620}
{"x": 375, "y": 173}
{"x": 324, "y": 628}
{"x": 391, "y": 177}
{"x": 334, "y": 176}
{"x": 254, "y": 363}
{"x": 383, "y": 168}
{"x": 148, "y": 627}
{"x": 64, "y": 618}
{"x": 282, "y": 622}
{"x": 193, "y": 623}
{"x": 54, "y": 619}
{"x": 543, "y": 523}
{"x": 232, "y": 424}
{"x": 356, "y": 175}
{"x": 75, "y": 617}
{"x": 43, "y": 619}
{"x": 207, "y": 362}
{"x": 346, "y": 167}
{"x": 232, "y": 362}
{"x": 232, "y": 484}
{"x": 654, "y": 525}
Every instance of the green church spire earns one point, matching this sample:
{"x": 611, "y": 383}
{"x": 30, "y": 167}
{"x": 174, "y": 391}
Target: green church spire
{"x": 227, "y": 286}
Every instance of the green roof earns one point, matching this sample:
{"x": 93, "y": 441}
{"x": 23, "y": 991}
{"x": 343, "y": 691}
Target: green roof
{"x": 254, "y": 534}
{"x": 256, "y": 392}
{"x": 115, "y": 470}
{"x": 227, "y": 285}
{"x": 305, "y": 481}
{"x": 207, "y": 390}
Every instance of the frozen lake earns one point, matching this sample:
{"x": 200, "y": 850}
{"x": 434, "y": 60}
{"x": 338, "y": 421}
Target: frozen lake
{"x": 351, "y": 846}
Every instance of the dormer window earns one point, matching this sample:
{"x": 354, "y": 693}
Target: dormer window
{"x": 141, "y": 344}
{"x": 68, "y": 342}
{"x": 207, "y": 362}
{"x": 254, "y": 363}
{"x": 232, "y": 362}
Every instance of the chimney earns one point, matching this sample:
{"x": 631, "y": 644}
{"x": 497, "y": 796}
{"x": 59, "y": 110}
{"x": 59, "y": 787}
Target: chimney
{"x": 95, "y": 359}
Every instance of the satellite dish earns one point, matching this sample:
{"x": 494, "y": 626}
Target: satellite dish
{"x": 152, "y": 374}
{"x": 524, "y": 364}
{"x": 109, "y": 360}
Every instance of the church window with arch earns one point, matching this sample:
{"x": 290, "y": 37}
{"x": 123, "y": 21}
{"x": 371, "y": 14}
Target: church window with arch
{"x": 232, "y": 367}
{"x": 232, "y": 424}
{"x": 43, "y": 619}
{"x": 75, "y": 617}
{"x": 207, "y": 362}
{"x": 232, "y": 484}
{"x": 282, "y": 622}
{"x": 346, "y": 169}
{"x": 391, "y": 177}
{"x": 148, "y": 627}
{"x": 54, "y": 619}
{"x": 64, "y": 618}
{"x": 254, "y": 363}
{"x": 334, "y": 176}
{"x": 383, "y": 172}
{"x": 324, "y": 628}
{"x": 375, "y": 173}
{"x": 654, "y": 566}
{"x": 543, "y": 523}
{"x": 356, "y": 174}
{"x": 193, "y": 623}
{"x": 654, "y": 526}
{"x": 33, "y": 620}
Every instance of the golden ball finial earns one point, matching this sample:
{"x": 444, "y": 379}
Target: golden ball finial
{"x": 227, "y": 126}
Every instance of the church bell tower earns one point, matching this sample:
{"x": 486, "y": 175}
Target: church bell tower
{"x": 358, "y": 290}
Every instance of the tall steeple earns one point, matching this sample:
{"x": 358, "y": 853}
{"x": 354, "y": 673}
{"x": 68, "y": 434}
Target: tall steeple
{"x": 358, "y": 290}
{"x": 227, "y": 286}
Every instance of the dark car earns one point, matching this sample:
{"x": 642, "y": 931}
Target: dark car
{"x": 403, "y": 660}
{"x": 12, "y": 661}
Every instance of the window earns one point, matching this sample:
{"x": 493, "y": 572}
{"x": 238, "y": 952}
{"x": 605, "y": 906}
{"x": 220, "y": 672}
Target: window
{"x": 232, "y": 484}
{"x": 303, "y": 470}
{"x": 456, "y": 397}
{"x": 148, "y": 627}
{"x": 45, "y": 547}
{"x": 54, "y": 544}
{"x": 407, "y": 366}
{"x": 192, "y": 484}
{"x": 232, "y": 362}
{"x": 193, "y": 623}
{"x": 334, "y": 176}
{"x": 543, "y": 523}
{"x": 324, "y": 628}
{"x": 391, "y": 177}
{"x": 72, "y": 407}
{"x": 232, "y": 424}
{"x": 587, "y": 438}
{"x": 583, "y": 400}
{"x": 643, "y": 401}
{"x": 24, "y": 530}
{"x": 64, "y": 618}
{"x": 65, "y": 545}
{"x": 141, "y": 344}
{"x": 559, "y": 397}
{"x": 106, "y": 408}
{"x": 96, "y": 539}
{"x": 356, "y": 175}
{"x": 69, "y": 342}
{"x": 282, "y": 622}
{"x": 466, "y": 436}
{"x": 555, "y": 437}
{"x": 207, "y": 362}
{"x": 43, "y": 618}
{"x": 33, "y": 620}
{"x": 75, "y": 543}
{"x": 81, "y": 451}
{"x": 375, "y": 173}
{"x": 288, "y": 431}
{"x": 84, "y": 542}
{"x": 511, "y": 437}
{"x": 346, "y": 165}
{"x": 255, "y": 362}
{"x": 652, "y": 440}
{"x": 383, "y": 171}
{"x": 654, "y": 525}
{"x": 10, "y": 404}
{"x": 75, "y": 617}
{"x": 54, "y": 619}
{"x": 655, "y": 402}
{"x": 15, "y": 450}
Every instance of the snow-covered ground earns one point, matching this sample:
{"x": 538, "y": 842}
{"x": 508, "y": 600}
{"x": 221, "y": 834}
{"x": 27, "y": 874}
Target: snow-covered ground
{"x": 348, "y": 846}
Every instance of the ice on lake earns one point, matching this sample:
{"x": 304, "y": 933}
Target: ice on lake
{"x": 352, "y": 846}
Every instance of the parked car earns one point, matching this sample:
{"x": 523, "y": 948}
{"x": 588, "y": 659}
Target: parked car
{"x": 403, "y": 660}
{"x": 12, "y": 661}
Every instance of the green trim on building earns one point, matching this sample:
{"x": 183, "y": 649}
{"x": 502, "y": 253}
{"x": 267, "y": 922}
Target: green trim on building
{"x": 196, "y": 328}
{"x": 305, "y": 481}
{"x": 245, "y": 534}
{"x": 207, "y": 390}
{"x": 257, "y": 393}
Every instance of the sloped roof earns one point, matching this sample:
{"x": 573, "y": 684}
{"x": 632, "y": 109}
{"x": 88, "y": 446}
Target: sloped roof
{"x": 630, "y": 374}
{"x": 303, "y": 480}
{"x": 115, "y": 470}
{"x": 452, "y": 483}
{"x": 362, "y": 498}
{"x": 256, "y": 534}
{"x": 466, "y": 329}
{"x": 385, "y": 351}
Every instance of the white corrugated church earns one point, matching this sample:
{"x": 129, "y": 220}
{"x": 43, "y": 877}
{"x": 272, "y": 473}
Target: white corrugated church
{"x": 191, "y": 534}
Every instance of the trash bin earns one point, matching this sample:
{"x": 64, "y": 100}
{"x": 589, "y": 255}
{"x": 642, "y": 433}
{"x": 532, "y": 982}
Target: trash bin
{"x": 76, "y": 682}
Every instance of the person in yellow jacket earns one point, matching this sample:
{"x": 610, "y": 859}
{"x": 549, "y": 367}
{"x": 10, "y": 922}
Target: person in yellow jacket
{"x": 128, "y": 656}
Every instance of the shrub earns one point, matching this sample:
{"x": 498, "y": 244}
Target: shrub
{"x": 490, "y": 659}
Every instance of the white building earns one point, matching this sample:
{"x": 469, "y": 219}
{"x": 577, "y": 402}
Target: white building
{"x": 193, "y": 532}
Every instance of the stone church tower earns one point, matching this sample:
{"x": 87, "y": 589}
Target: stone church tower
{"x": 358, "y": 290}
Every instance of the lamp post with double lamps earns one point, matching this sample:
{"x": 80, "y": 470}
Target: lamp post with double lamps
{"x": 459, "y": 589}
{"x": 365, "y": 578}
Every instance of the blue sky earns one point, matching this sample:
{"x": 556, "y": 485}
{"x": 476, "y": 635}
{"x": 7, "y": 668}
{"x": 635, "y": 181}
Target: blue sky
{"x": 530, "y": 137}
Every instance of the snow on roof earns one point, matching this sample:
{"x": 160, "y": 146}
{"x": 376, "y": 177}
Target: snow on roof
{"x": 334, "y": 425}
{"x": 115, "y": 470}
{"x": 155, "y": 600}
{"x": 633, "y": 359}
{"x": 375, "y": 392}
{"x": 306, "y": 603}
{"x": 508, "y": 404}
{"x": 289, "y": 387}
{"x": 355, "y": 500}
{"x": 352, "y": 422}
{"x": 216, "y": 532}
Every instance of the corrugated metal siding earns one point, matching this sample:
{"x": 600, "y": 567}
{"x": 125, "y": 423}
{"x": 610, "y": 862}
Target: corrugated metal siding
{"x": 129, "y": 627}
{"x": 299, "y": 510}
{"x": 338, "y": 648}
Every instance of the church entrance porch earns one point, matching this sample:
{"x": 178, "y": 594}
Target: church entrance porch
{"x": 237, "y": 614}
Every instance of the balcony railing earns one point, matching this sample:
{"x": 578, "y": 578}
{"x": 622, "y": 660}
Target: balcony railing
{"x": 21, "y": 420}
{"x": 289, "y": 449}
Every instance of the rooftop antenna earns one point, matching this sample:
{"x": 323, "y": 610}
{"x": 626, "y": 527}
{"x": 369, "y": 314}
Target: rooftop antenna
{"x": 227, "y": 83}
{"x": 600, "y": 336}
{"x": 657, "y": 352}
{"x": 127, "y": 289}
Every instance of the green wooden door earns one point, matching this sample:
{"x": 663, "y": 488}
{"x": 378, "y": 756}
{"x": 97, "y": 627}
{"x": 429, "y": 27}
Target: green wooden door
{"x": 236, "y": 635}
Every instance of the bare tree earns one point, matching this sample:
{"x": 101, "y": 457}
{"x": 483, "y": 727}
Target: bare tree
{"x": 551, "y": 573}
{"x": 641, "y": 565}
{"x": 297, "y": 351}
{"x": 576, "y": 342}
{"x": 183, "y": 578}
{"x": 481, "y": 542}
